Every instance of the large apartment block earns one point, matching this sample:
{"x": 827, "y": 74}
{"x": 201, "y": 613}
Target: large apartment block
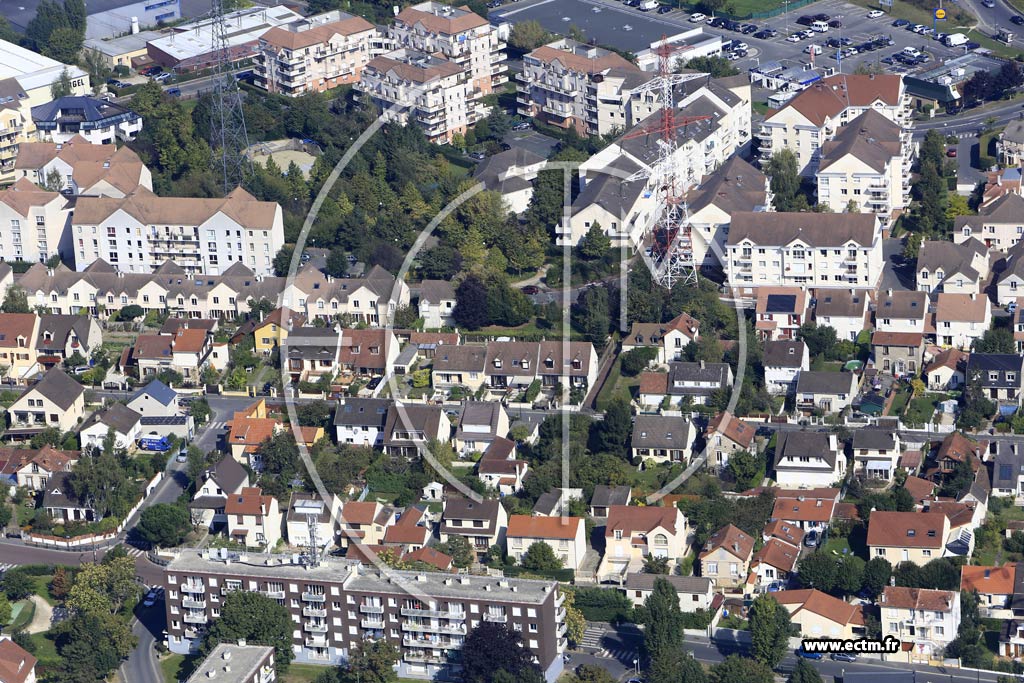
{"x": 32, "y": 222}
{"x": 138, "y": 233}
{"x": 572, "y": 85}
{"x": 16, "y": 125}
{"x": 314, "y": 54}
{"x": 429, "y": 91}
{"x": 456, "y": 34}
{"x": 337, "y": 604}
{"x": 815, "y": 115}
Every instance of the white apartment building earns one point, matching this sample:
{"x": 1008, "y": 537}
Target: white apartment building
{"x": 429, "y": 91}
{"x": 458, "y": 35}
{"x": 814, "y": 116}
{"x": 960, "y": 319}
{"x": 625, "y": 210}
{"x": 137, "y": 233}
{"x": 98, "y": 121}
{"x": 83, "y": 168}
{"x": 999, "y": 225}
{"x": 867, "y": 166}
{"x": 735, "y": 186}
{"x": 572, "y": 85}
{"x": 818, "y": 250}
{"x": 313, "y": 54}
{"x": 33, "y": 222}
{"x": 16, "y": 125}
{"x": 927, "y": 619}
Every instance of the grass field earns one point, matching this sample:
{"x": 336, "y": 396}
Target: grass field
{"x": 46, "y": 650}
{"x": 921, "y": 409}
{"x": 616, "y": 385}
{"x": 176, "y": 668}
{"x": 21, "y": 614}
{"x": 302, "y": 673}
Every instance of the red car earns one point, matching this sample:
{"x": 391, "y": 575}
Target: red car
{"x": 951, "y": 152}
{"x": 531, "y": 290}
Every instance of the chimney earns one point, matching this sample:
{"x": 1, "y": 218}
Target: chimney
{"x": 702, "y": 365}
{"x": 135, "y": 25}
{"x": 888, "y": 292}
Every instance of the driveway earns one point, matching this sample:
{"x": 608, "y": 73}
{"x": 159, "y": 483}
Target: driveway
{"x": 897, "y": 274}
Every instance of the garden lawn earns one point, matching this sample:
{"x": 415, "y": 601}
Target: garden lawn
{"x": 302, "y": 673}
{"x": 177, "y": 667}
{"x": 921, "y": 409}
{"x": 899, "y": 402}
{"x": 616, "y": 385}
{"x": 46, "y": 650}
{"x": 22, "y": 612}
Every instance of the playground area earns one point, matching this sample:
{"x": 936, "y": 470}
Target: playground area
{"x": 284, "y": 152}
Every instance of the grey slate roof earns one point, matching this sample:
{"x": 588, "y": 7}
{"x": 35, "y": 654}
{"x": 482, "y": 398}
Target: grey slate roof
{"x": 783, "y": 354}
{"x": 823, "y": 382}
{"x": 59, "y": 388}
{"x": 610, "y": 191}
{"x": 696, "y": 372}
{"x": 803, "y": 444}
{"x": 158, "y": 391}
{"x": 983, "y": 363}
{"x": 874, "y": 439}
{"x": 660, "y": 431}
{"x": 60, "y": 328}
{"x": 56, "y": 492}
{"x": 369, "y": 412}
{"x": 841, "y": 303}
{"x": 814, "y": 229}
{"x": 492, "y": 170}
{"x": 734, "y": 186}
{"x": 118, "y": 417}
{"x": 682, "y": 584}
{"x": 606, "y": 496}
{"x": 228, "y": 473}
{"x": 436, "y": 291}
{"x": 939, "y": 255}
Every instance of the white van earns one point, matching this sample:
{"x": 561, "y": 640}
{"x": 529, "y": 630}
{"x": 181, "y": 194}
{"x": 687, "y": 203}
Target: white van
{"x": 648, "y": 5}
{"x": 911, "y": 52}
{"x": 819, "y": 26}
{"x": 955, "y": 40}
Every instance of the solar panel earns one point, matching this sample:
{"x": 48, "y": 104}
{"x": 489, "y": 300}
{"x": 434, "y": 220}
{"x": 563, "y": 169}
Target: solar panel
{"x": 781, "y": 303}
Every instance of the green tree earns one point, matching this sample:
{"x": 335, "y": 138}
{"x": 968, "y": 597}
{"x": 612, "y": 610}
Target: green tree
{"x": 256, "y": 619}
{"x": 849, "y": 574}
{"x": 64, "y": 45}
{"x": 540, "y": 557}
{"x": 614, "y": 430}
{"x": 458, "y": 548}
{"x": 49, "y": 17}
{"x": 995, "y": 340}
{"x": 91, "y": 646}
{"x": 595, "y": 244}
{"x": 17, "y": 585}
{"x": 912, "y": 246}
{"x": 575, "y": 622}
{"x": 491, "y": 648}
{"x": 5, "y": 610}
{"x": 76, "y": 14}
{"x": 372, "y": 661}
{"x": 164, "y": 524}
{"x": 653, "y": 564}
{"x": 16, "y": 301}
{"x": 746, "y": 469}
{"x": 663, "y": 632}
{"x": 770, "y": 628}
{"x": 804, "y": 673}
{"x": 784, "y": 172}
{"x": 471, "y": 303}
{"x": 740, "y": 669}
{"x": 528, "y": 35}
{"x": 590, "y": 315}
{"x": 716, "y": 66}
{"x": 592, "y": 673}
{"x": 817, "y": 570}
{"x": 875, "y": 578}
{"x": 104, "y": 588}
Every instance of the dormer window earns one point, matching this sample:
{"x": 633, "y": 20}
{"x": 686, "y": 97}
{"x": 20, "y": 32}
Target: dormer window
{"x": 577, "y": 364}
{"x": 550, "y": 363}
{"x": 526, "y": 365}
{"x": 497, "y": 362}
{"x": 911, "y": 533}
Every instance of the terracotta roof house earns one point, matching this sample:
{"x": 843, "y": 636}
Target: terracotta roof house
{"x": 724, "y": 435}
{"x": 725, "y": 558}
{"x": 565, "y": 535}
{"x": 926, "y": 621}
{"x": 993, "y": 584}
{"x": 773, "y": 563}
{"x": 947, "y": 370}
{"x": 253, "y": 518}
{"x": 819, "y": 615}
{"x": 917, "y": 537}
{"x": 16, "y": 664}
{"x": 632, "y": 533}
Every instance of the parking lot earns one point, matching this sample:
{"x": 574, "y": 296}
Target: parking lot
{"x": 611, "y": 22}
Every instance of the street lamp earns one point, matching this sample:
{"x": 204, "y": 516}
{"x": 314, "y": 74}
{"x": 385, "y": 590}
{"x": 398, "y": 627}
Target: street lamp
{"x": 636, "y": 666}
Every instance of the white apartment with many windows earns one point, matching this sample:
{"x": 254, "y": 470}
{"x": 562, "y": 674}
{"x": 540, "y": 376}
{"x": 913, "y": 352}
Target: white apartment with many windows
{"x": 815, "y": 115}
{"x": 816, "y": 250}
{"x": 314, "y": 54}
{"x": 33, "y": 222}
{"x": 137, "y": 233}
{"x": 866, "y": 167}
{"x": 428, "y": 91}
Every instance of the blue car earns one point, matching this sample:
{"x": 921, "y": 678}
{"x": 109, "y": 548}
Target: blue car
{"x": 801, "y": 652}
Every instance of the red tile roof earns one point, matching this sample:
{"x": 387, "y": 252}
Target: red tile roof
{"x": 527, "y": 526}
{"x": 990, "y": 580}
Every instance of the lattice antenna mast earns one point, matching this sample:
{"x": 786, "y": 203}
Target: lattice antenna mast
{"x": 671, "y": 258}
{"x": 228, "y": 137}
{"x": 314, "y": 547}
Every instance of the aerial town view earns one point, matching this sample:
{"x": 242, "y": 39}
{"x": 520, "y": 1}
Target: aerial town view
{"x": 514, "y": 341}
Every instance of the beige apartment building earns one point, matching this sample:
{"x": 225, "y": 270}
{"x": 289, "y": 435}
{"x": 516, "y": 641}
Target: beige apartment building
{"x": 456, "y": 34}
{"x": 867, "y": 166}
{"x": 814, "y": 116}
{"x": 314, "y": 54}
{"x": 32, "y": 222}
{"x": 16, "y": 126}
{"x": 429, "y": 91}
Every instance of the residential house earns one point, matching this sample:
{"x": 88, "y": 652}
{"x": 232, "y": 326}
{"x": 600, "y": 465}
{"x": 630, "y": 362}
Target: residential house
{"x": 866, "y": 167}
{"x": 61, "y": 505}
{"x": 927, "y": 620}
{"x": 36, "y": 470}
{"x": 632, "y": 533}
{"x": 483, "y": 524}
{"x": 783, "y": 361}
{"x": 480, "y": 424}
{"x": 725, "y": 435}
{"x": 844, "y": 310}
{"x": 361, "y": 421}
{"x": 997, "y": 225}
{"x": 75, "y": 116}
{"x": 409, "y": 427}
{"x": 819, "y": 615}
{"x": 725, "y": 558}
{"x": 1008, "y": 470}
{"x": 829, "y": 392}
{"x": 83, "y": 168}
{"x": 18, "y": 346}
{"x": 695, "y": 382}
{"x": 876, "y": 453}
{"x": 253, "y": 518}
{"x": 432, "y": 557}
{"x": 187, "y": 352}
{"x": 807, "y": 509}
{"x": 272, "y": 332}
{"x": 1000, "y": 375}
{"x": 565, "y": 535}
{"x": 368, "y": 352}
{"x": 62, "y": 336}
{"x": 779, "y": 312}
{"x": 16, "y": 664}
{"x": 815, "y": 114}
{"x": 364, "y": 523}
{"x": 946, "y": 371}
{"x": 119, "y": 420}
{"x": 412, "y": 530}
{"x": 459, "y": 366}
{"x": 994, "y": 587}
{"x": 773, "y": 563}
{"x": 555, "y": 502}
{"x": 156, "y": 399}
{"x": 957, "y": 268}
{"x": 898, "y": 353}
{"x": 247, "y": 430}
{"x": 217, "y": 483}
{"x": 735, "y": 186}
{"x": 804, "y": 250}
{"x": 961, "y": 319}
{"x": 607, "y": 497}
{"x": 808, "y": 459}
{"x": 917, "y": 537}
{"x": 510, "y": 173}
{"x": 54, "y": 401}
{"x": 954, "y": 450}
{"x": 901, "y": 311}
{"x": 437, "y": 304}
{"x": 309, "y": 512}
{"x": 662, "y": 438}
{"x": 1010, "y": 143}
{"x": 695, "y": 592}
{"x": 499, "y": 468}
{"x": 670, "y": 339}
{"x": 783, "y": 530}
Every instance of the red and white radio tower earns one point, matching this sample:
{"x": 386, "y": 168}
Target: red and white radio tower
{"x": 671, "y": 259}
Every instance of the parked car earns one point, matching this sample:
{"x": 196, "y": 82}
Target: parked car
{"x": 531, "y": 290}
{"x": 151, "y": 71}
{"x": 697, "y": 18}
{"x": 951, "y": 152}
{"x": 900, "y": 23}
{"x": 813, "y": 50}
{"x": 1011, "y": 307}
{"x": 114, "y": 83}
{"x": 795, "y": 38}
{"x": 875, "y": 13}
{"x": 739, "y": 45}
{"x": 762, "y": 35}
{"x": 822, "y": 17}
{"x": 989, "y": 4}
{"x": 1017, "y": 19}
{"x": 805, "y": 20}
{"x": 525, "y": 125}
{"x": 748, "y": 29}
{"x": 150, "y": 598}
{"x": 664, "y": 9}
{"x": 972, "y": 46}
{"x": 835, "y": 23}
{"x": 811, "y": 539}
{"x": 163, "y": 77}
{"x": 173, "y": 92}
{"x": 801, "y": 652}
{"x": 844, "y": 657}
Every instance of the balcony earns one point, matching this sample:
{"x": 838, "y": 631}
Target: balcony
{"x": 195, "y": 618}
{"x": 316, "y": 641}
{"x": 496, "y": 618}
{"x": 420, "y": 612}
{"x": 371, "y": 609}
{"x": 194, "y": 588}
{"x": 314, "y": 612}
{"x": 439, "y": 644}
{"x": 428, "y": 628}
{"x": 274, "y": 595}
{"x": 313, "y": 597}
{"x": 561, "y": 630}
{"x": 423, "y": 658}
{"x": 559, "y": 599}
{"x": 314, "y": 628}
{"x": 193, "y": 603}
{"x": 377, "y": 624}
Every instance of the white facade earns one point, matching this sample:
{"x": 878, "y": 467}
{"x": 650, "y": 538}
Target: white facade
{"x": 33, "y": 222}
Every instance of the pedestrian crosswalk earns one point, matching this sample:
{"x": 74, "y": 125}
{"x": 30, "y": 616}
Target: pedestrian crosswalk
{"x": 4, "y": 567}
{"x": 134, "y": 552}
{"x": 216, "y": 426}
{"x": 621, "y": 653}
{"x": 592, "y": 637}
